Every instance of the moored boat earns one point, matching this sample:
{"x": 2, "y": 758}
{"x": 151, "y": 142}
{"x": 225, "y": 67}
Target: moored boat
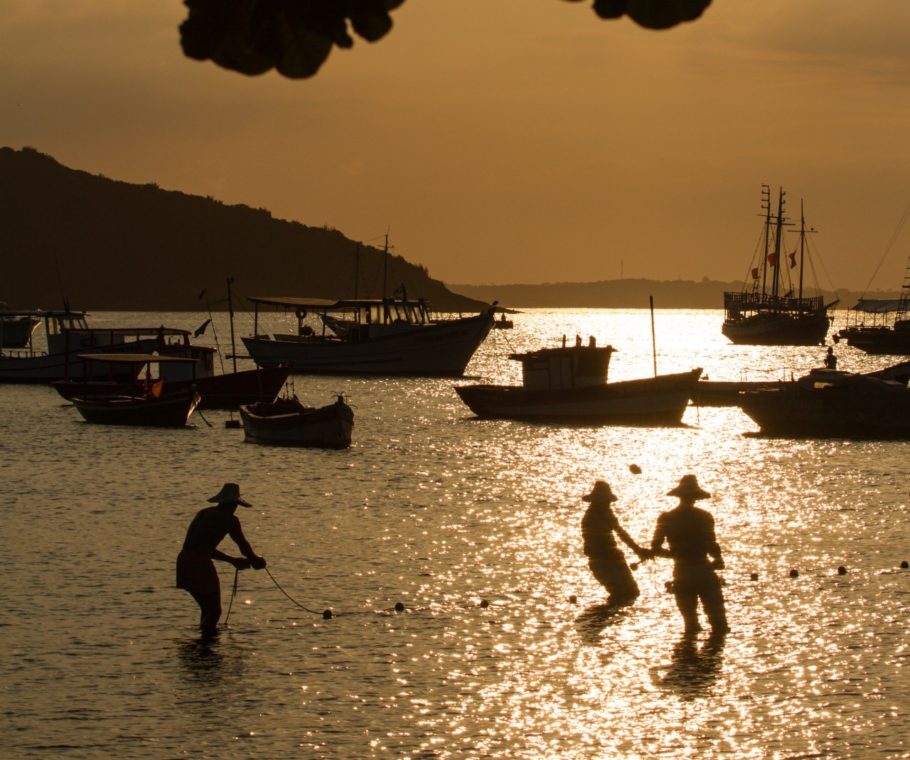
{"x": 16, "y": 327}
{"x": 154, "y": 405}
{"x": 768, "y": 313}
{"x": 569, "y": 384}
{"x": 287, "y": 422}
{"x": 830, "y": 403}
{"x": 369, "y": 337}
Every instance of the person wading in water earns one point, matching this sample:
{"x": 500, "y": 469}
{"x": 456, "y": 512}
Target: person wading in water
{"x": 607, "y": 562}
{"x": 195, "y": 570}
{"x": 689, "y": 532}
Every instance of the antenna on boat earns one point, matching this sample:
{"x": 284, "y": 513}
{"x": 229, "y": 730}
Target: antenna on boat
{"x": 230, "y": 281}
{"x": 653, "y": 336}
{"x": 385, "y": 266}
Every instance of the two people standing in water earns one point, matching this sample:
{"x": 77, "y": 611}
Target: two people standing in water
{"x": 684, "y": 534}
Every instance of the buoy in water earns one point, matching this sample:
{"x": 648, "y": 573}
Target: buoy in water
{"x": 842, "y": 570}
{"x": 753, "y": 576}
{"x": 573, "y": 599}
{"x": 905, "y": 565}
{"x": 794, "y": 573}
{"x": 399, "y": 607}
{"x": 635, "y": 469}
{"x": 484, "y": 603}
{"x": 327, "y": 615}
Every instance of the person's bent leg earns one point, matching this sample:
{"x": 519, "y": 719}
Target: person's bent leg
{"x": 712, "y": 599}
{"x": 687, "y": 603}
{"x": 210, "y": 613}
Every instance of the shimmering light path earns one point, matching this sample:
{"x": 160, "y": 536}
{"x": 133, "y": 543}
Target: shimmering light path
{"x": 440, "y": 511}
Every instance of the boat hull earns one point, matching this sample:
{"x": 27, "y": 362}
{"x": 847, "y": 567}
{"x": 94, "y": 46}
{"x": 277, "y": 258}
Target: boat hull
{"x": 275, "y": 424}
{"x": 880, "y": 410}
{"x": 169, "y": 410}
{"x": 440, "y": 349}
{"x": 26, "y": 367}
{"x": 656, "y": 401}
{"x": 778, "y": 329}
{"x": 878, "y": 340}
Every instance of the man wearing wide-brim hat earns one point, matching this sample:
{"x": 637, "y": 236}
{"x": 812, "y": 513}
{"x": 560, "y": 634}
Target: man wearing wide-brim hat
{"x": 195, "y": 570}
{"x": 689, "y": 534}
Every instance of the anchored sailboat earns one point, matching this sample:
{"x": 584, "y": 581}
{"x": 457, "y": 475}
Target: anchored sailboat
{"x": 762, "y": 315}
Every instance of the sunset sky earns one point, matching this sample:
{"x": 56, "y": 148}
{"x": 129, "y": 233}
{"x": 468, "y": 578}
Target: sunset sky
{"x": 503, "y": 141}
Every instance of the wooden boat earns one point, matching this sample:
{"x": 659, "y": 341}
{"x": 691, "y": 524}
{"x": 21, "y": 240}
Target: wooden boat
{"x": 889, "y": 331}
{"x": 287, "y": 422}
{"x": 569, "y": 384}
{"x": 155, "y": 405}
{"x": 728, "y": 392}
{"x": 503, "y": 323}
{"x": 829, "y": 403}
{"x": 68, "y": 335}
{"x": 227, "y": 390}
{"x": 766, "y": 314}
{"x": 369, "y": 337}
{"x": 16, "y": 327}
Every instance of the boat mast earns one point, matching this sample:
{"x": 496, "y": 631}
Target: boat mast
{"x": 230, "y": 280}
{"x": 385, "y": 267}
{"x": 780, "y": 226}
{"x": 357, "y": 270}
{"x": 802, "y": 246}
{"x": 766, "y": 206}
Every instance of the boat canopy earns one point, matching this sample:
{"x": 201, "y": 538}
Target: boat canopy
{"x": 877, "y": 305}
{"x": 45, "y": 314}
{"x": 125, "y": 358}
{"x": 311, "y": 304}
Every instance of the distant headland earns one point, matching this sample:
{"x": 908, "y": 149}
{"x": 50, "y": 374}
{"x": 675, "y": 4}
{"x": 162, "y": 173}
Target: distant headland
{"x": 104, "y": 244}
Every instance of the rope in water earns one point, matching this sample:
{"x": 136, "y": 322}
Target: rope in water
{"x": 294, "y": 601}
{"x": 233, "y": 594}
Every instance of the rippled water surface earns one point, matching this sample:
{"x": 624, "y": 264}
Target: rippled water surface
{"x": 440, "y": 511}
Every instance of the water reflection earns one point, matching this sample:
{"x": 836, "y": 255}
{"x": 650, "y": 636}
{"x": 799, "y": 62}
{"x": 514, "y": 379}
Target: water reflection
{"x": 693, "y": 669}
{"x": 591, "y": 623}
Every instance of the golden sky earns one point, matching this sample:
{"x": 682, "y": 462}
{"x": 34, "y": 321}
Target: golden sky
{"x": 504, "y": 141}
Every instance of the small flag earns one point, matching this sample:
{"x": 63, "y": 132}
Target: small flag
{"x": 792, "y": 259}
{"x": 755, "y": 273}
{"x": 201, "y": 329}
{"x": 772, "y": 259}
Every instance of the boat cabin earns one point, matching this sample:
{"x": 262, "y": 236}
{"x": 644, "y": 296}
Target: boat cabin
{"x": 566, "y": 367}
{"x": 104, "y": 366}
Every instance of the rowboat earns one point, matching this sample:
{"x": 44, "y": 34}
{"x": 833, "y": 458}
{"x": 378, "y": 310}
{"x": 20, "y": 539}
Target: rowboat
{"x": 287, "y": 422}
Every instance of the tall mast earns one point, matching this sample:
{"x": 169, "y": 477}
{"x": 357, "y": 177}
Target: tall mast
{"x": 385, "y": 267}
{"x": 802, "y": 246}
{"x": 230, "y": 280}
{"x": 357, "y": 271}
{"x": 766, "y": 206}
{"x": 775, "y": 289}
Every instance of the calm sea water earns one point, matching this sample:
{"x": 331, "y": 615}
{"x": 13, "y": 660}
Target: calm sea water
{"x": 439, "y": 511}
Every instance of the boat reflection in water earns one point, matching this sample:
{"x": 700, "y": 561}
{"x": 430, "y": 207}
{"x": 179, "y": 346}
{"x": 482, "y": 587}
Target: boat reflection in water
{"x": 569, "y": 384}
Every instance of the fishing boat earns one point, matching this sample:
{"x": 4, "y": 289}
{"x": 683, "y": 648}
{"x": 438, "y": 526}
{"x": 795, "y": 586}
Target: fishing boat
{"x": 829, "y": 403}
{"x": 67, "y": 335}
{"x": 287, "y": 422}
{"x": 16, "y": 327}
{"x": 154, "y": 405}
{"x": 569, "y": 384}
{"x": 503, "y": 323}
{"x": 389, "y": 336}
{"x": 887, "y": 330}
{"x": 768, "y": 313}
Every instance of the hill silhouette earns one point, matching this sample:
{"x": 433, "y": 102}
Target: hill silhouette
{"x": 105, "y": 244}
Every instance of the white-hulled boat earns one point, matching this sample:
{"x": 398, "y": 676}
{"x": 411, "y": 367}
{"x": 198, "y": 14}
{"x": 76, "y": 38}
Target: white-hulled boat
{"x": 67, "y": 335}
{"x": 569, "y": 384}
{"x": 369, "y": 337}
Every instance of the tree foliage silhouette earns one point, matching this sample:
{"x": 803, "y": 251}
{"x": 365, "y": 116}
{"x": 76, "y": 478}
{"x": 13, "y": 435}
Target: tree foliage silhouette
{"x": 296, "y": 36}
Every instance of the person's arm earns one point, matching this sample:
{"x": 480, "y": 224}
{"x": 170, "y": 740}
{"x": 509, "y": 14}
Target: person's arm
{"x": 240, "y": 563}
{"x": 236, "y": 533}
{"x": 657, "y": 541}
{"x": 713, "y": 546}
{"x": 630, "y": 542}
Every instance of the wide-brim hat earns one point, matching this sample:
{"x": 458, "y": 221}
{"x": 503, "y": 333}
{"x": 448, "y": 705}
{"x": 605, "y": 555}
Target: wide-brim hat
{"x": 688, "y": 487}
{"x": 230, "y": 494}
{"x": 600, "y": 492}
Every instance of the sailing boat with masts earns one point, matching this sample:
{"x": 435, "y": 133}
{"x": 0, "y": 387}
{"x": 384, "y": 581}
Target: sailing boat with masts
{"x": 762, "y": 315}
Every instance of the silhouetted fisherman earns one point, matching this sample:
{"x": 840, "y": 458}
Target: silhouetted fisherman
{"x": 607, "y": 562}
{"x": 830, "y": 359}
{"x": 689, "y": 532}
{"x": 195, "y": 570}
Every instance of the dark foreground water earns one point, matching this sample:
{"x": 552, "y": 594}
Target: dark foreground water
{"x": 438, "y": 511}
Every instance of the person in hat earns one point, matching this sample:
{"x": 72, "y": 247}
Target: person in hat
{"x": 689, "y": 533}
{"x": 195, "y": 570}
{"x": 599, "y": 526}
